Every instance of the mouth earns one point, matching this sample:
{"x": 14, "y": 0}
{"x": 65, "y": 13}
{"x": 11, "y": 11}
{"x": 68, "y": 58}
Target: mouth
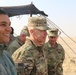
{"x": 7, "y": 35}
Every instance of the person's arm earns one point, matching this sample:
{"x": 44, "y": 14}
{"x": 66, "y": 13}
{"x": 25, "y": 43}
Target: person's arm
{"x": 60, "y": 63}
{"x": 26, "y": 59}
{"x": 10, "y": 62}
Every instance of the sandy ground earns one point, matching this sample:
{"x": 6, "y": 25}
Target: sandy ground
{"x": 69, "y": 65}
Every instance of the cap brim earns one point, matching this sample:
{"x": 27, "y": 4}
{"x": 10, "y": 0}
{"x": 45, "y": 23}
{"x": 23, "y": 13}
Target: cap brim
{"x": 42, "y": 28}
{"x": 52, "y": 35}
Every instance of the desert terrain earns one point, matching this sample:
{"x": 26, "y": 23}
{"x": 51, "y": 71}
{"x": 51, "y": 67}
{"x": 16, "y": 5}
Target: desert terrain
{"x": 69, "y": 65}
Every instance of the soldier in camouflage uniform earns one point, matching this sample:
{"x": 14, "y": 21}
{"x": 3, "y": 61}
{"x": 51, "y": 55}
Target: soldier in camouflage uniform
{"x": 19, "y": 40}
{"x": 55, "y": 53}
{"x": 32, "y": 54}
{"x": 7, "y": 66}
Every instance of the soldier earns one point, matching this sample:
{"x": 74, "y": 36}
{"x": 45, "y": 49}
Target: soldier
{"x": 7, "y": 66}
{"x": 55, "y": 53}
{"x": 32, "y": 54}
{"x": 19, "y": 41}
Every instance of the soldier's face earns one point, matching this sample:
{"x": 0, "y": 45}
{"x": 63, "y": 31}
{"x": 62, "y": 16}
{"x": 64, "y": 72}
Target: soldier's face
{"x": 40, "y": 35}
{"x": 5, "y": 29}
{"x": 23, "y": 36}
{"x": 53, "y": 39}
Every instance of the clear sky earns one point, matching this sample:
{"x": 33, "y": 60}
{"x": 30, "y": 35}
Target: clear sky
{"x": 61, "y": 12}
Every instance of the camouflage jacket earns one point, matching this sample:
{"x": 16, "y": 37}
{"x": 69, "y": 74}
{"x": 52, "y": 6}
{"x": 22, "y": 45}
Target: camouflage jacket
{"x": 14, "y": 45}
{"x": 55, "y": 58}
{"x": 7, "y": 66}
{"x": 32, "y": 57}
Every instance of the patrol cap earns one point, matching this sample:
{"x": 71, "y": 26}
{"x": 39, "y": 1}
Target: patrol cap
{"x": 52, "y": 32}
{"x": 25, "y": 30}
{"x": 38, "y": 22}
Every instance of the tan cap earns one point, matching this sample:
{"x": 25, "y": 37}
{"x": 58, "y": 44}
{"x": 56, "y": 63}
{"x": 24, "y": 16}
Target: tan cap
{"x": 38, "y": 22}
{"x": 52, "y": 32}
{"x": 25, "y": 30}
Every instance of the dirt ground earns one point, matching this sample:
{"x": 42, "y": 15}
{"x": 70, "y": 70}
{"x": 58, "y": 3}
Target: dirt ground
{"x": 69, "y": 65}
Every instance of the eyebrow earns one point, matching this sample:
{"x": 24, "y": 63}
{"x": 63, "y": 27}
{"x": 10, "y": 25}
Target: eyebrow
{"x": 3, "y": 22}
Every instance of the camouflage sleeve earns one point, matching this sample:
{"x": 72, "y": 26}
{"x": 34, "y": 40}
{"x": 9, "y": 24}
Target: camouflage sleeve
{"x": 59, "y": 69}
{"x": 59, "y": 66}
{"x": 26, "y": 57}
{"x": 63, "y": 53}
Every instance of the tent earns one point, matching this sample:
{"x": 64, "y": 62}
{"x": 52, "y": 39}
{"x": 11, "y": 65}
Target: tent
{"x": 21, "y": 10}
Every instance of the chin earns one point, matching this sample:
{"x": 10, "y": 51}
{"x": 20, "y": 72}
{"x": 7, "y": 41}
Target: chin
{"x": 43, "y": 42}
{"x": 6, "y": 41}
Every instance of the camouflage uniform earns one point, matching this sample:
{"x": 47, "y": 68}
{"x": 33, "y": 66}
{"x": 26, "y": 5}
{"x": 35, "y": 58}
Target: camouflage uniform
{"x": 55, "y": 59}
{"x": 7, "y": 66}
{"x": 55, "y": 56}
{"x": 14, "y": 45}
{"x": 32, "y": 56}
{"x": 17, "y": 42}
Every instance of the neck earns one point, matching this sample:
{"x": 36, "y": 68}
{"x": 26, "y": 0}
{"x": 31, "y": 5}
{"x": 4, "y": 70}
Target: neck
{"x": 52, "y": 44}
{"x": 38, "y": 43}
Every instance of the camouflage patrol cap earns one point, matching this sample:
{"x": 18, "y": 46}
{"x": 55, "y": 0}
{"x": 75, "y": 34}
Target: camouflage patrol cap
{"x": 38, "y": 22}
{"x": 25, "y": 30}
{"x": 52, "y": 32}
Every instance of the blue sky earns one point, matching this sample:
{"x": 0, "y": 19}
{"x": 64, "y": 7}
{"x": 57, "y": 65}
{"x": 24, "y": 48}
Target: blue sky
{"x": 61, "y": 12}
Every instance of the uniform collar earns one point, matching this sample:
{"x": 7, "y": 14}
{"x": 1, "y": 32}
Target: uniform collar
{"x": 51, "y": 46}
{"x": 40, "y": 45}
